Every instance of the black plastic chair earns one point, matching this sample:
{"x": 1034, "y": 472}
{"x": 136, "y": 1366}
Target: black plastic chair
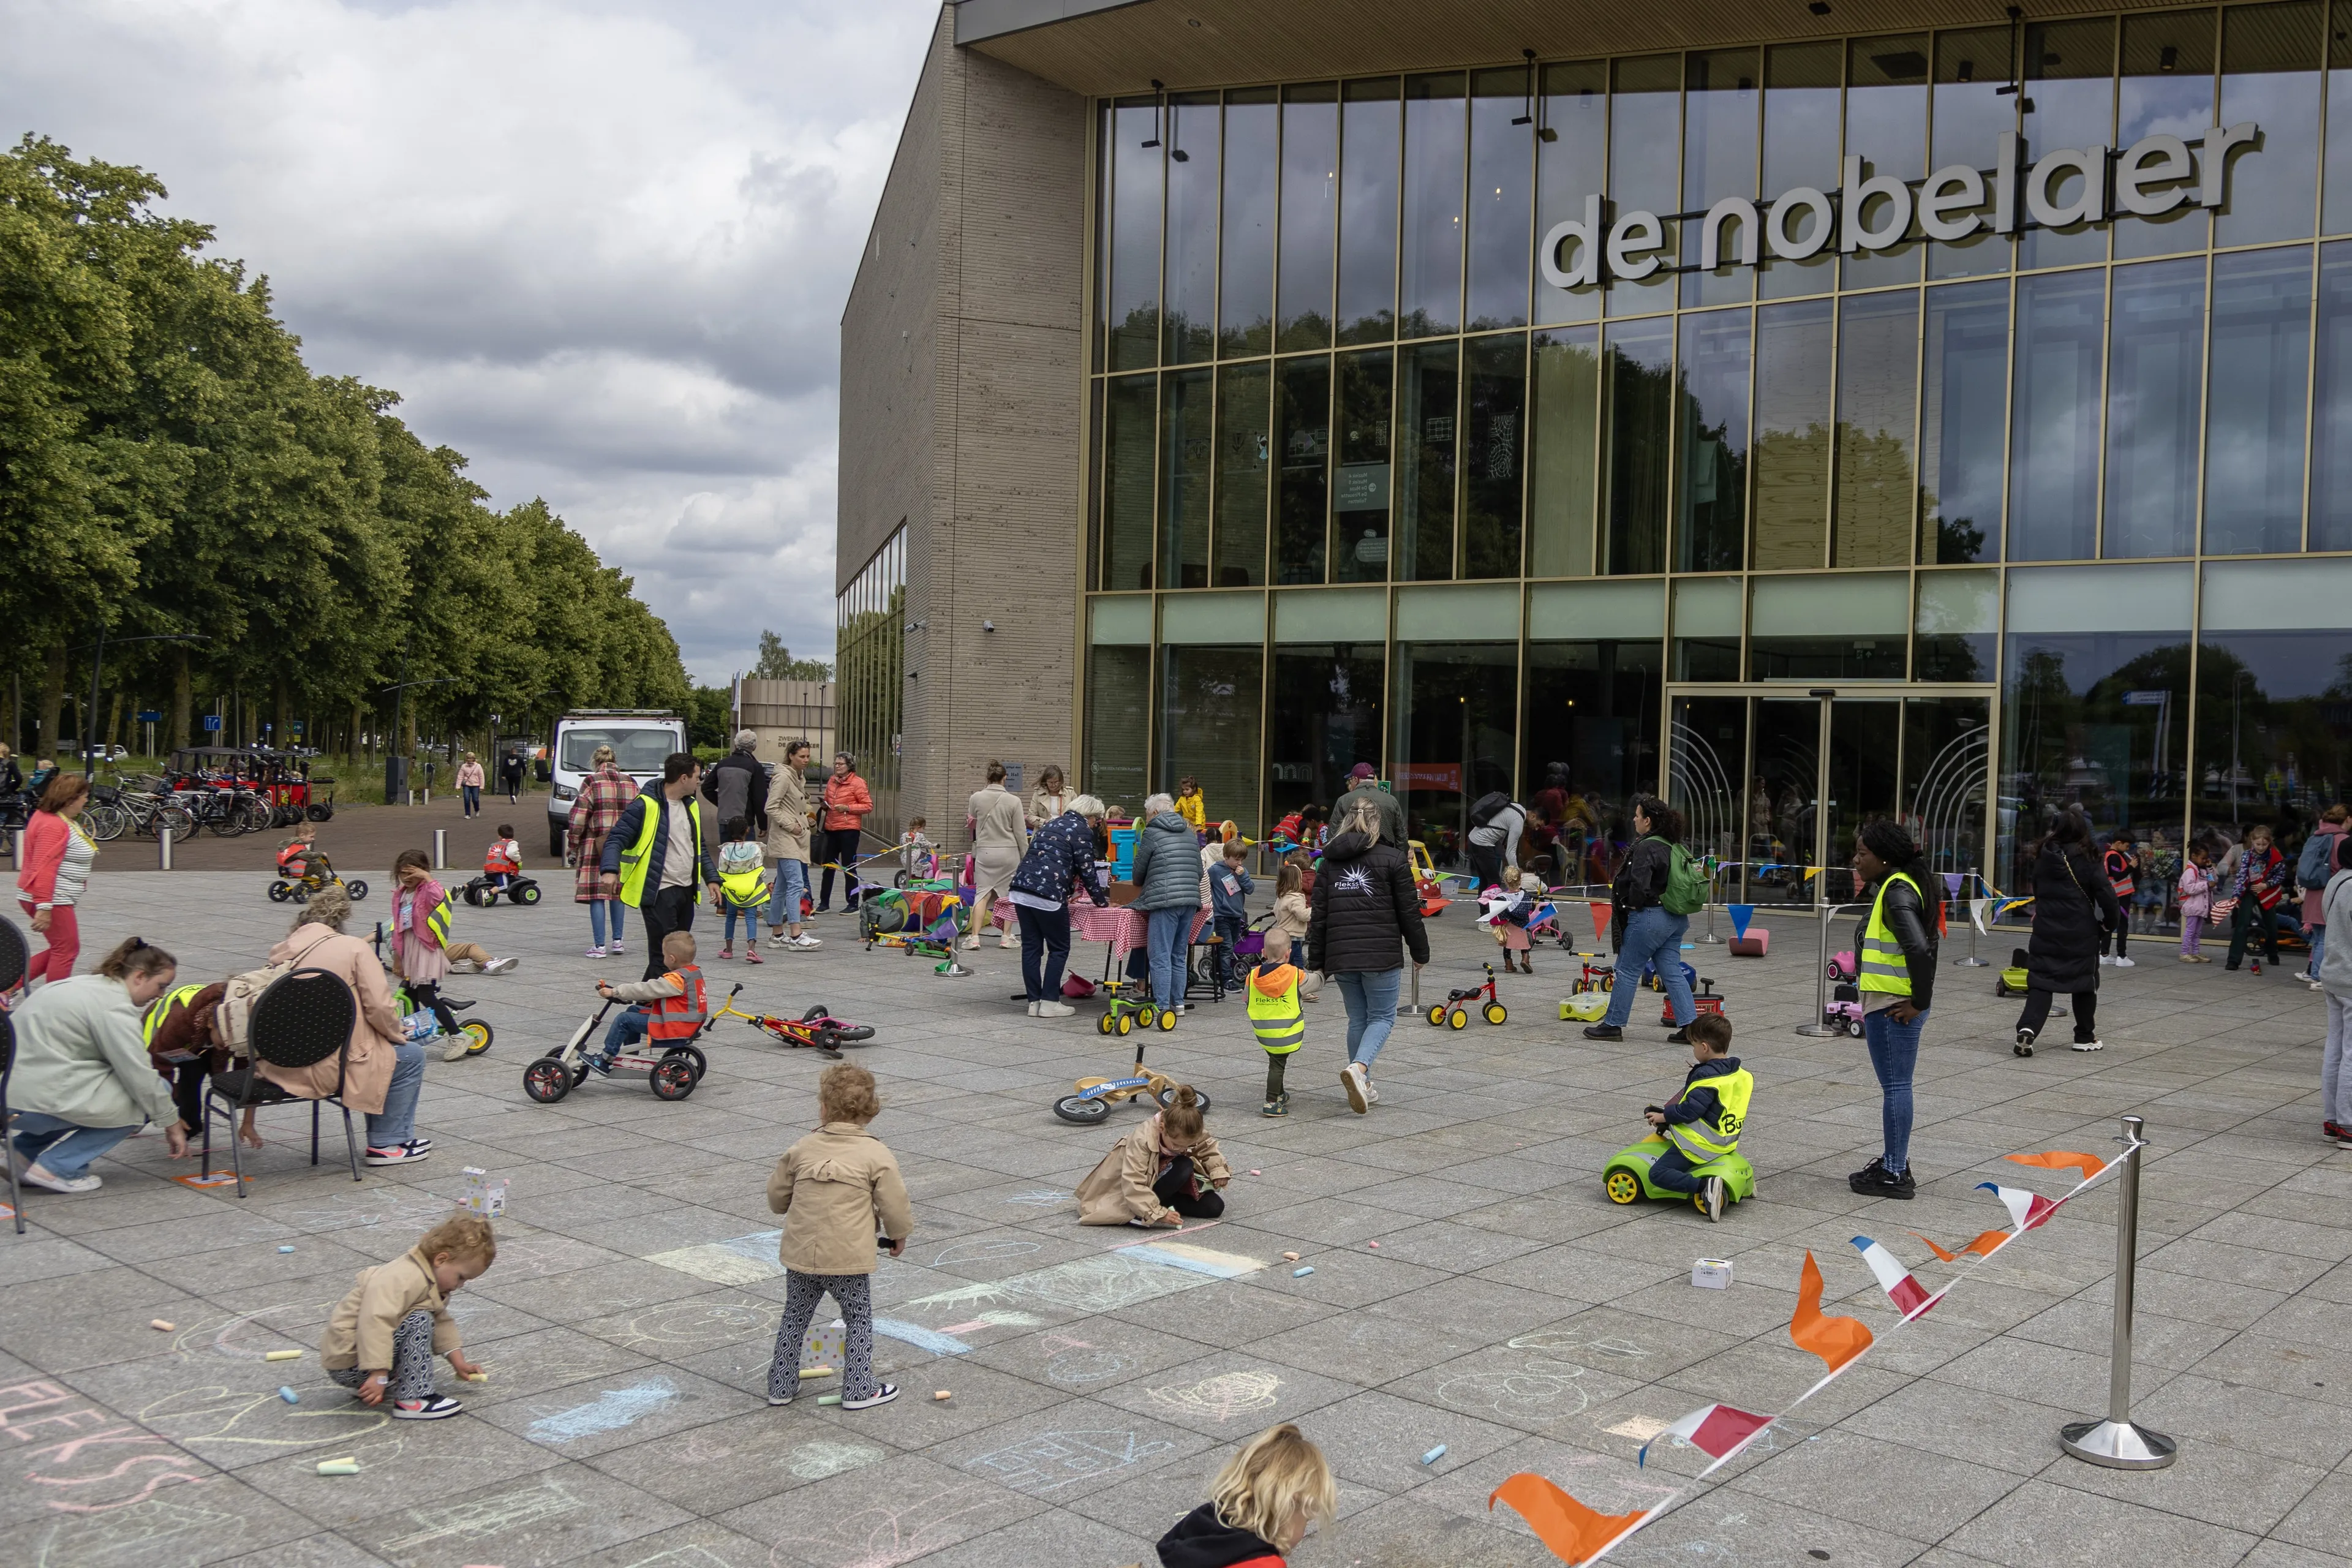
{"x": 302, "y": 1019}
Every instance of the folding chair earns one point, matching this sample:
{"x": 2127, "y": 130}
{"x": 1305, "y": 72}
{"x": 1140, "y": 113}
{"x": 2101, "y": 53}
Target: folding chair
{"x": 302, "y": 1019}
{"x": 15, "y": 957}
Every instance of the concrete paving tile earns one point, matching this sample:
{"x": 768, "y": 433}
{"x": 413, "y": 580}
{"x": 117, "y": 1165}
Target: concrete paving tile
{"x": 1518, "y": 1383}
{"x": 2300, "y": 1370}
{"x": 2002, "y": 1429}
{"x": 1733, "y": 1521}
{"x": 399, "y": 1463}
{"x": 1404, "y": 1532}
{"x": 326, "y": 1550}
{"x": 1377, "y": 1439}
{"x": 2067, "y": 1527}
{"x": 1225, "y": 1395}
{"x": 1848, "y": 1476}
{"x": 196, "y": 1525}
{"x": 2212, "y": 1483}
{"x": 536, "y": 1521}
{"x": 1364, "y": 1347}
{"x": 2310, "y": 1428}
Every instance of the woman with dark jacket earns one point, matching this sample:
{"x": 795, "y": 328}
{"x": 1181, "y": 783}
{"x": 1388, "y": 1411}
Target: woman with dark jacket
{"x": 1364, "y": 908}
{"x": 1897, "y": 981}
{"x": 1167, "y": 890}
{"x": 1060, "y": 861}
{"x": 2072, "y": 905}
{"x": 1640, "y": 927}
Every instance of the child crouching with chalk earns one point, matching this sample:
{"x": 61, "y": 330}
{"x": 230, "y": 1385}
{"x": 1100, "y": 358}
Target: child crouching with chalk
{"x": 1263, "y": 1503}
{"x": 383, "y": 1337}
{"x": 1163, "y": 1174}
{"x": 838, "y": 1189}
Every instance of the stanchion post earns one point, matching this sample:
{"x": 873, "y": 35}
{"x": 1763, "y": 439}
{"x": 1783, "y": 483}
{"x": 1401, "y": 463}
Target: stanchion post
{"x": 440, "y": 849}
{"x": 1710, "y": 936}
{"x": 1412, "y": 1008}
{"x": 1972, "y": 960}
{"x": 2115, "y": 1442}
{"x": 1818, "y": 1028}
{"x": 162, "y": 848}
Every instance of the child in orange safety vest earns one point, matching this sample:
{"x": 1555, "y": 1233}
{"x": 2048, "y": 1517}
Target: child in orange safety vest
{"x": 503, "y": 859}
{"x": 670, "y": 1007}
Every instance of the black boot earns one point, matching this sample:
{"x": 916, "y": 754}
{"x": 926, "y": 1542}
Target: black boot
{"x": 1603, "y": 1032}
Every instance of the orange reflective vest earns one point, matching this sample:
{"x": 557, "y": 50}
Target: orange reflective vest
{"x": 679, "y": 1017}
{"x": 501, "y": 857}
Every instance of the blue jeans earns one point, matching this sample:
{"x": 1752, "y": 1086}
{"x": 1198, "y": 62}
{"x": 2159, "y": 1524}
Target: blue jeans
{"x": 1894, "y": 1052}
{"x": 1165, "y": 940}
{"x": 396, "y": 1122}
{"x": 1231, "y": 927}
{"x": 473, "y": 800}
{"x": 1372, "y": 999}
{"x": 625, "y": 1031}
{"x": 785, "y": 899}
{"x": 596, "y": 918}
{"x": 1651, "y": 936}
{"x": 2318, "y": 934}
{"x": 64, "y": 1148}
{"x": 1672, "y": 1171}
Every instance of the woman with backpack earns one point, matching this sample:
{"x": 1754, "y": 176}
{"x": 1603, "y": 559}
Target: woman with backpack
{"x": 2072, "y": 906}
{"x": 1657, "y": 889}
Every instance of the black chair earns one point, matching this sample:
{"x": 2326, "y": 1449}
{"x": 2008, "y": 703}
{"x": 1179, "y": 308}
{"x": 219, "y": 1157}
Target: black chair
{"x": 302, "y": 1019}
{"x": 15, "y": 957}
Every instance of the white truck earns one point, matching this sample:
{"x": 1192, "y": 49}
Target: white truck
{"x": 640, "y": 739}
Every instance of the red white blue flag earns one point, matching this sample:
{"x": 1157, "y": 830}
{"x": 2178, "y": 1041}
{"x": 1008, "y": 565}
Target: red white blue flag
{"x": 1715, "y": 1431}
{"x": 2026, "y": 1209}
{"x": 1910, "y": 1297}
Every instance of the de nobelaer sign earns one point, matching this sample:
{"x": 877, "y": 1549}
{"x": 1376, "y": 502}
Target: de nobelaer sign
{"x": 2151, "y": 177}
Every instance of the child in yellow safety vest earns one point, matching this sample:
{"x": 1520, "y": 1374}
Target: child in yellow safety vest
{"x": 1704, "y": 1122}
{"x": 743, "y": 885}
{"x": 1280, "y": 1025}
{"x": 670, "y": 1007}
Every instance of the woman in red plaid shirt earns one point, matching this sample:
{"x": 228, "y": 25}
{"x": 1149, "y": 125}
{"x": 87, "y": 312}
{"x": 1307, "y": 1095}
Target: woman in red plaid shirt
{"x": 603, "y": 798}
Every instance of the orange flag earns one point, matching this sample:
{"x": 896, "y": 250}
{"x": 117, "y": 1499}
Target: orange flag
{"x": 2063, "y": 1160}
{"x": 1836, "y": 1340}
{"x": 1983, "y": 1246}
{"x": 1572, "y": 1530}
{"x": 1599, "y": 923}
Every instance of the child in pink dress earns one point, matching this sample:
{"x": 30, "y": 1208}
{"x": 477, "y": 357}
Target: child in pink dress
{"x": 2196, "y": 900}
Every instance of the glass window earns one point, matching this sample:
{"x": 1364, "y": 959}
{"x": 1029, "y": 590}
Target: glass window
{"x": 1803, "y": 102}
{"x": 1106, "y": 161}
{"x": 1624, "y": 609}
{"x": 1640, "y": 434}
{"x": 1185, "y": 445}
{"x": 1711, "y": 443}
{"x": 1095, "y": 490}
{"x": 1493, "y": 436}
{"x": 2054, "y": 481}
{"x": 2272, "y": 745}
{"x": 1853, "y": 627}
{"x": 1302, "y": 435}
{"x": 1589, "y": 745}
{"x": 2336, "y": 214}
{"x": 1645, "y": 123}
{"x": 1361, "y": 491}
{"x": 1119, "y": 693}
{"x": 2156, "y": 375}
{"x": 1245, "y": 465}
{"x": 1135, "y": 235}
{"x": 1428, "y": 407}
{"x": 1245, "y": 297}
{"x": 1877, "y": 407}
{"x": 1120, "y": 620}
{"x": 1886, "y": 127}
{"x": 1792, "y": 435}
{"x": 2167, "y": 88}
{"x": 1720, "y": 136}
{"x": 1369, "y": 135}
{"x": 2255, "y": 408}
{"x": 1706, "y": 628}
{"x": 1565, "y": 383}
{"x": 1128, "y": 442}
{"x": 1957, "y": 628}
{"x": 1571, "y": 164}
{"x": 1970, "y": 112}
{"x": 2331, "y": 452}
{"x": 2270, "y": 74}
{"x": 1337, "y": 614}
{"x": 1457, "y": 713}
{"x": 1436, "y": 136}
{"x": 1502, "y": 171}
{"x": 1458, "y": 613}
{"x": 1209, "y": 700}
{"x": 1213, "y": 618}
{"x": 1963, "y": 422}
{"x": 1324, "y": 713}
{"x": 2070, "y": 78}
{"x": 1186, "y": 326}
{"x": 1310, "y": 215}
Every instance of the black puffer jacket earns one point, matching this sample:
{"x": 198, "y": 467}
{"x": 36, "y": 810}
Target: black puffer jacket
{"x": 2072, "y": 904}
{"x": 1640, "y": 884}
{"x": 1202, "y": 1539}
{"x": 1364, "y": 905}
{"x": 1915, "y": 933}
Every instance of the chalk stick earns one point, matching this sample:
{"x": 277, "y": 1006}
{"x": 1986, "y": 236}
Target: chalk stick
{"x": 944, "y": 1394}
{"x": 285, "y": 1249}
{"x": 288, "y": 1395}
{"x": 816, "y": 1371}
{"x": 1375, "y": 1245}
{"x": 282, "y": 1355}
{"x": 1290, "y": 1258}
{"x": 339, "y": 1467}
{"x": 1257, "y": 1172}
{"x": 1434, "y": 1455}
{"x": 1302, "y": 1273}
{"x": 828, "y": 1399}
{"x": 160, "y": 1325}
{"x": 477, "y": 1377}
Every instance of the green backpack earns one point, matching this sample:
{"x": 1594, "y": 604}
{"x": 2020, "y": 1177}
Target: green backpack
{"x": 1686, "y": 892}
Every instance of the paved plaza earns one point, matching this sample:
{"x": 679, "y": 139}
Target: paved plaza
{"x": 1507, "y": 1311}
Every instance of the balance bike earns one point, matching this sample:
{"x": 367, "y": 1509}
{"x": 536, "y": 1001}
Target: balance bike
{"x": 816, "y": 1029}
{"x": 1626, "y": 1177}
{"x": 1451, "y": 1012}
{"x": 671, "y": 1068}
{"x": 1095, "y": 1096}
{"x": 1121, "y": 1016}
{"x": 1596, "y": 977}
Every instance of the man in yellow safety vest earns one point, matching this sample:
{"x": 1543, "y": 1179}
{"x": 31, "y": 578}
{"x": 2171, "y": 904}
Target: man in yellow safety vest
{"x": 655, "y": 853}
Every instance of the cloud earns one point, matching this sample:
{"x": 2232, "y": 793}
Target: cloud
{"x": 601, "y": 249}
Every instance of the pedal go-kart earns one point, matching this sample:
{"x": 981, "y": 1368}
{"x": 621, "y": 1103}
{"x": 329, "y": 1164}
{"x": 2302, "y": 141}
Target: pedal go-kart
{"x": 672, "y": 1067}
{"x": 1095, "y": 1096}
{"x": 1454, "y": 1010}
{"x": 816, "y": 1029}
{"x": 1626, "y": 1177}
{"x": 298, "y": 889}
{"x": 484, "y": 891}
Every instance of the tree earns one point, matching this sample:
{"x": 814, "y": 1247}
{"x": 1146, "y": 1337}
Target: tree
{"x": 709, "y": 717}
{"x": 777, "y": 663}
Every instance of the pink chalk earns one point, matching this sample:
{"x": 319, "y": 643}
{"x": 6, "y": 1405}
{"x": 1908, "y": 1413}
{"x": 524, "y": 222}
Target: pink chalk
{"x": 1376, "y": 1246}
{"x": 1257, "y": 1172}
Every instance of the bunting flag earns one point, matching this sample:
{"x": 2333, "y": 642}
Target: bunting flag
{"x": 1986, "y": 1244}
{"x": 1952, "y": 884}
{"x": 1716, "y": 1431}
{"x": 1836, "y": 1340}
{"x": 1811, "y": 872}
{"x": 1910, "y": 1296}
{"x": 1740, "y": 915}
{"x": 2088, "y": 1166}
{"x": 2026, "y": 1209}
{"x": 1599, "y": 922}
{"x": 1977, "y": 908}
{"x": 1574, "y": 1533}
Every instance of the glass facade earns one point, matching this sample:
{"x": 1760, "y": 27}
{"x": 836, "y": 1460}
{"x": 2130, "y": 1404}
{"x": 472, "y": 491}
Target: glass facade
{"x": 870, "y": 685}
{"x": 1433, "y": 369}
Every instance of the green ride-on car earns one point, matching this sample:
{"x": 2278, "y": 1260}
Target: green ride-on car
{"x": 1626, "y": 1178}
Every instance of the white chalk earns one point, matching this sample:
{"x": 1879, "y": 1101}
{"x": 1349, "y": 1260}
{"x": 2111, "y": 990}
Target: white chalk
{"x": 1434, "y": 1455}
{"x": 339, "y": 1467}
{"x": 160, "y": 1324}
{"x": 816, "y": 1371}
{"x": 1302, "y": 1273}
{"x": 1290, "y": 1257}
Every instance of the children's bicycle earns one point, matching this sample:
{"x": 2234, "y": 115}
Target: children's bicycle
{"x": 672, "y": 1067}
{"x": 1454, "y": 1010}
{"x": 1095, "y": 1096}
{"x": 816, "y": 1029}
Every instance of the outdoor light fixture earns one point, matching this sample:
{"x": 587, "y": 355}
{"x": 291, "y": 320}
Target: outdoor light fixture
{"x": 2168, "y": 58}
{"x": 1819, "y": 8}
{"x": 1159, "y": 102}
{"x": 1528, "y": 103}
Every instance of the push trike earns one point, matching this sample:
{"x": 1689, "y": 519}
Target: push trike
{"x": 672, "y": 1067}
{"x": 1095, "y": 1096}
{"x": 1453, "y": 1011}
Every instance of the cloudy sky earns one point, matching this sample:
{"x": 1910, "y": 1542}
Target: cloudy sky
{"x": 600, "y": 246}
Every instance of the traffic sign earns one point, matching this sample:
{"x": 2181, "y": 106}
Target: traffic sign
{"x": 149, "y": 716}
{"x": 212, "y": 720}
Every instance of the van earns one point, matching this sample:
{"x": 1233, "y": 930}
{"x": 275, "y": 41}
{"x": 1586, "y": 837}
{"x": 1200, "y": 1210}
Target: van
{"x": 641, "y": 738}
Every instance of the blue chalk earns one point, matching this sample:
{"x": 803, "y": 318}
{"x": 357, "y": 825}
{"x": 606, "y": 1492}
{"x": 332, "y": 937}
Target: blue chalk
{"x": 1434, "y": 1455}
{"x": 1302, "y": 1272}
{"x": 285, "y": 1249}
{"x": 290, "y": 1396}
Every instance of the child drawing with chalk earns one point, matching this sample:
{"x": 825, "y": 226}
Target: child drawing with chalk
{"x": 1163, "y": 1174}
{"x": 382, "y": 1337}
{"x": 1267, "y": 1498}
{"x": 838, "y": 1190}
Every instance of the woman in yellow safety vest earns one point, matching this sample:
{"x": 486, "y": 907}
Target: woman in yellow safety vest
{"x": 1897, "y": 982}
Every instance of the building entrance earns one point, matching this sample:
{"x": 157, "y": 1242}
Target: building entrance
{"x": 1775, "y": 781}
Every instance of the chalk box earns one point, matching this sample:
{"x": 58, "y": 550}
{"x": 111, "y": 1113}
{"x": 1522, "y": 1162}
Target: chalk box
{"x": 483, "y": 1195}
{"x": 825, "y": 1344}
{"x": 1712, "y": 1274}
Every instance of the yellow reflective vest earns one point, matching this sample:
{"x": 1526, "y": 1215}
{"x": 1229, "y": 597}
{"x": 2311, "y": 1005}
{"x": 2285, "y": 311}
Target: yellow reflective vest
{"x": 638, "y": 855}
{"x": 160, "y": 1009}
{"x": 1704, "y": 1140}
{"x": 1881, "y": 961}
{"x": 1273, "y": 1010}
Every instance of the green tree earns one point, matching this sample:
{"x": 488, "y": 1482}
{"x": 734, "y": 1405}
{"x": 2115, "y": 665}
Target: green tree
{"x": 777, "y": 663}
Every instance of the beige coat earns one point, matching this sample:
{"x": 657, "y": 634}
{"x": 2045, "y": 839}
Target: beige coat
{"x": 838, "y": 1188}
{"x": 1000, "y": 836}
{"x": 376, "y": 1033}
{"x": 1120, "y": 1189}
{"x": 1045, "y": 805}
{"x": 1291, "y": 915}
{"x": 359, "y": 1332}
{"x": 788, "y": 816}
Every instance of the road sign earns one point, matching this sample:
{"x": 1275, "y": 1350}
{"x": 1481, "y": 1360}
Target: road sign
{"x": 149, "y": 716}
{"x": 212, "y": 720}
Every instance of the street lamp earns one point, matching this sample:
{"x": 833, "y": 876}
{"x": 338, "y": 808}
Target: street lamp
{"x": 97, "y": 662}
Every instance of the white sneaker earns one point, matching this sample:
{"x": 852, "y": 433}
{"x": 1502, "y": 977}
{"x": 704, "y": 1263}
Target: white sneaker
{"x": 1371, "y": 1090}
{"x": 1032, "y": 1009}
{"x": 596, "y": 952}
{"x": 453, "y": 1047}
{"x": 39, "y": 1175}
{"x": 1351, "y": 1079}
{"x": 972, "y": 944}
{"x": 2122, "y": 963}
{"x": 617, "y": 950}
{"x": 499, "y": 966}
{"x": 2105, "y": 963}
{"x": 2090, "y": 1045}
{"x": 781, "y": 940}
{"x": 882, "y": 1395}
{"x": 1054, "y": 1009}
{"x": 805, "y": 944}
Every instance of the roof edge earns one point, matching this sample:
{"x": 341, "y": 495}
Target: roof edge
{"x": 976, "y": 20}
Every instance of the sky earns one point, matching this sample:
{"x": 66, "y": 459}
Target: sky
{"x": 600, "y": 247}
